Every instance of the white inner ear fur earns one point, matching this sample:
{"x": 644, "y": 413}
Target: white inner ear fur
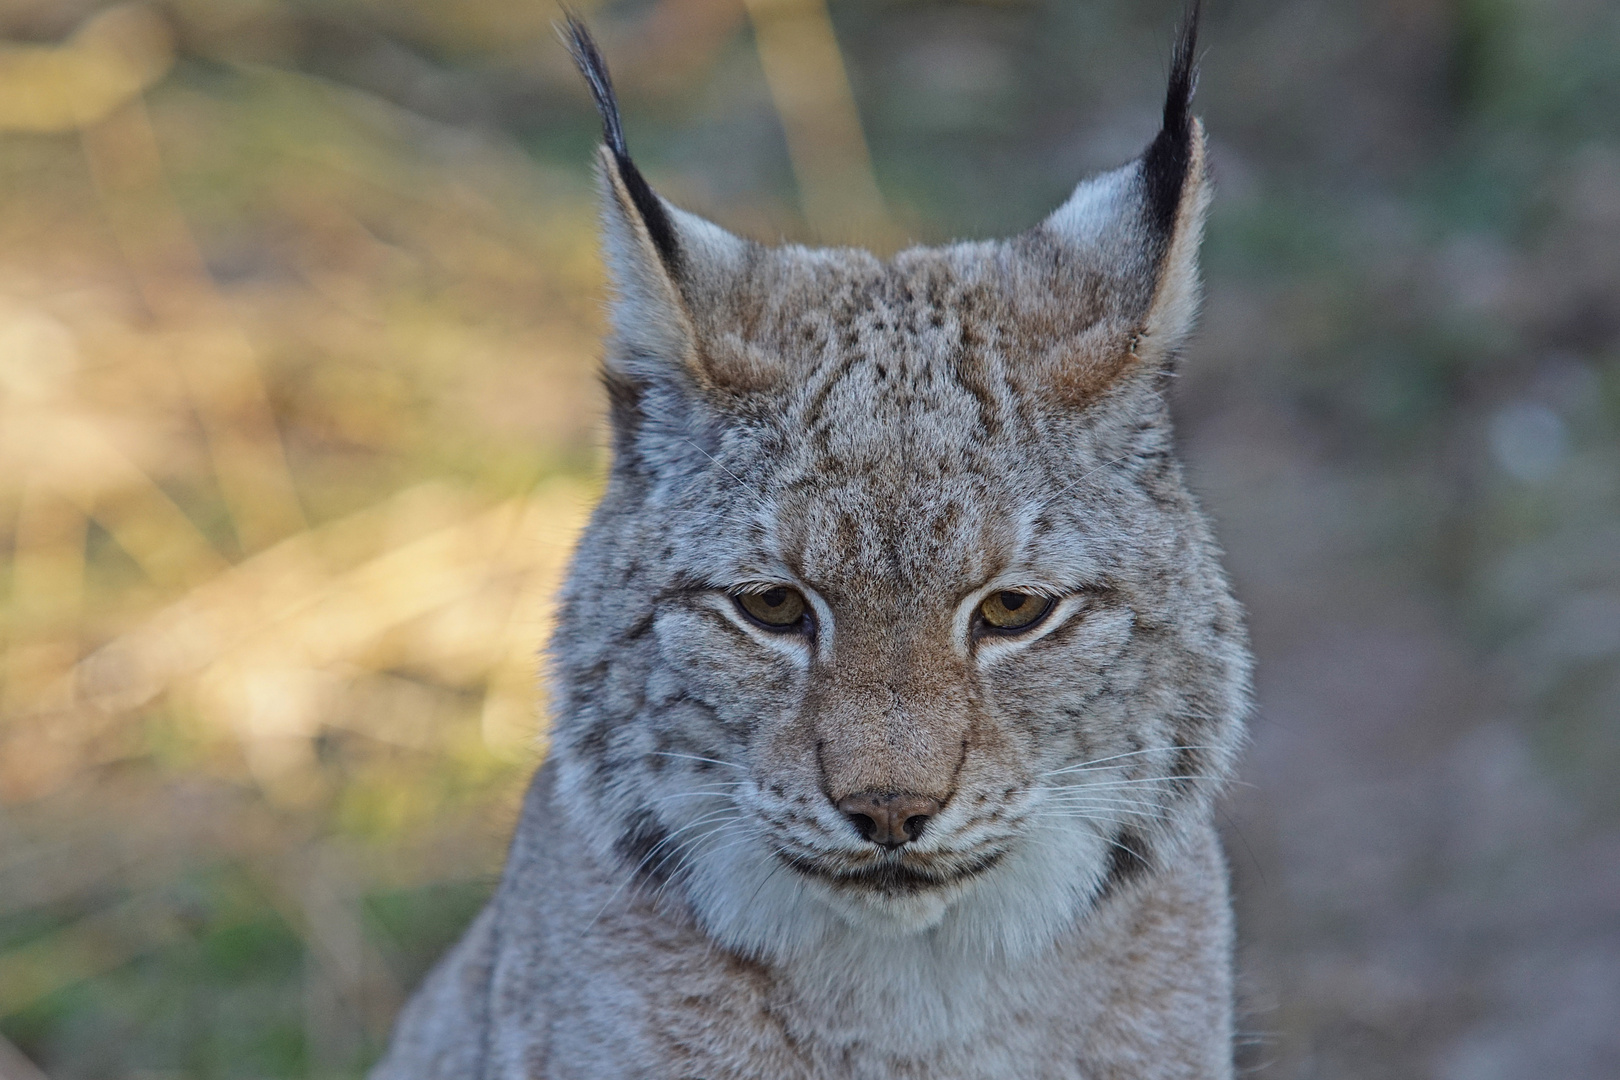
{"x": 1174, "y": 309}
{"x": 707, "y": 248}
{"x": 1101, "y": 218}
{"x": 1094, "y": 216}
{"x": 650, "y": 316}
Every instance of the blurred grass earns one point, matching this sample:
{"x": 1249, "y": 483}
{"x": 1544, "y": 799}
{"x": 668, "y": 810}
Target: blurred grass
{"x": 283, "y": 513}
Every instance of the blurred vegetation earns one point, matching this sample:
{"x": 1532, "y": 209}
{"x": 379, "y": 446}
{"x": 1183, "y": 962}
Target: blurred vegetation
{"x": 299, "y": 305}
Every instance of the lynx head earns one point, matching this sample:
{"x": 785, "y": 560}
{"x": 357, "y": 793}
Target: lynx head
{"x": 896, "y": 619}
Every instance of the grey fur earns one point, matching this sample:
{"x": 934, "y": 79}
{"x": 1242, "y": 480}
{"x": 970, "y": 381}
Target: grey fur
{"x": 897, "y": 440}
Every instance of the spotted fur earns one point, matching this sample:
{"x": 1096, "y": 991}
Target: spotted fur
{"x": 897, "y": 440}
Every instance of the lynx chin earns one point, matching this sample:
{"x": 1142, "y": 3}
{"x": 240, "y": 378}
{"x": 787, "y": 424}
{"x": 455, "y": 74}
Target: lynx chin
{"x": 894, "y": 676}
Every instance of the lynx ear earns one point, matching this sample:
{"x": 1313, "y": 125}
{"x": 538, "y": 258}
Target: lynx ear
{"x": 1138, "y": 228}
{"x": 667, "y": 266}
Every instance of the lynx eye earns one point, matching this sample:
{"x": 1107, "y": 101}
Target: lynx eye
{"x": 780, "y": 608}
{"x": 1013, "y": 610}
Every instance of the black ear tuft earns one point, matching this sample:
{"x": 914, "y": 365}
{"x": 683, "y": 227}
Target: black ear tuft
{"x": 1165, "y": 164}
{"x": 591, "y": 65}
{"x": 588, "y": 58}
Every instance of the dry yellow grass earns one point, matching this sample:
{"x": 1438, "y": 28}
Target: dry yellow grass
{"x": 233, "y": 534}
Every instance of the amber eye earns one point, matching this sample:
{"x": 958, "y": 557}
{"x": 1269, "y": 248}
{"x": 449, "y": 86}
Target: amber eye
{"x": 1013, "y": 610}
{"x": 780, "y": 608}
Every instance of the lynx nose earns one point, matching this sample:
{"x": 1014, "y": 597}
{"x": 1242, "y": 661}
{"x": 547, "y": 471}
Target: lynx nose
{"x": 889, "y": 819}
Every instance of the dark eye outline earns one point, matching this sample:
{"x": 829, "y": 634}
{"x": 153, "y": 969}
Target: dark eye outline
{"x": 805, "y": 624}
{"x": 982, "y": 627}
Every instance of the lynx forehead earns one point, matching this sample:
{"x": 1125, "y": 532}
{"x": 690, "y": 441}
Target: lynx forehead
{"x": 895, "y": 673}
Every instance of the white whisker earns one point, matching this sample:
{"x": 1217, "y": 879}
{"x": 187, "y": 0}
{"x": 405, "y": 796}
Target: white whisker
{"x": 712, "y": 793}
{"x": 1094, "y": 763}
{"x": 696, "y": 757}
{"x": 1104, "y": 785}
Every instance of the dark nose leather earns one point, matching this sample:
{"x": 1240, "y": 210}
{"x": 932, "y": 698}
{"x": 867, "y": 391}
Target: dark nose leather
{"x": 889, "y": 819}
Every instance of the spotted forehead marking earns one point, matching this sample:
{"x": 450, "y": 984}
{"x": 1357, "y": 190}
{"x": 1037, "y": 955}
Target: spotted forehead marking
{"x": 880, "y": 532}
{"x": 908, "y": 375}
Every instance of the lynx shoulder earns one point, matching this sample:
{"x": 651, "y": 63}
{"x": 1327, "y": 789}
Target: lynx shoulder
{"x": 894, "y": 676}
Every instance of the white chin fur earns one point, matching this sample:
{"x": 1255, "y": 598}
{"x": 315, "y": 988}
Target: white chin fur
{"x": 889, "y": 916}
{"x": 938, "y": 958}
{"x": 754, "y": 904}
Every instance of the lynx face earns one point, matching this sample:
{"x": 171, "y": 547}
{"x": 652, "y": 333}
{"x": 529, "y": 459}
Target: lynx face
{"x": 896, "y": 617}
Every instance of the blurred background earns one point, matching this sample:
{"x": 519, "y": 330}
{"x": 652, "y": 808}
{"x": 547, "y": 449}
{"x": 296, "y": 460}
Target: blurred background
{"x": 299, "y": 308}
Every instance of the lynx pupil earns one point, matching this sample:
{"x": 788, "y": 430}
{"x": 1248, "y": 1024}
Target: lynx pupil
{"x": 1013, "y": 610}
{"x": 780, "y": 608}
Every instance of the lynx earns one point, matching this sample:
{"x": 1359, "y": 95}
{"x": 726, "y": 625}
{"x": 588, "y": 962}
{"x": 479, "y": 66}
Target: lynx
{"x": 894, "y": 675}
